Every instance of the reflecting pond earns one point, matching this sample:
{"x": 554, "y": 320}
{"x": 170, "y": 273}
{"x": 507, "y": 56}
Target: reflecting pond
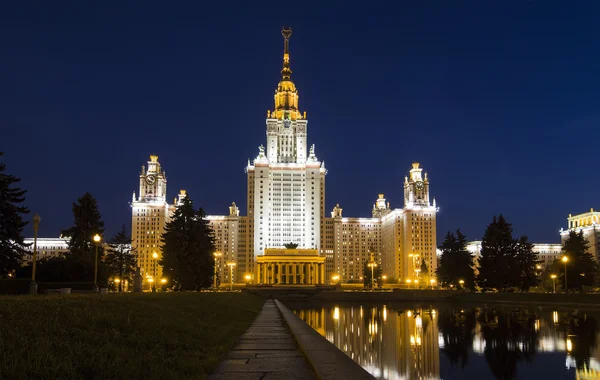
{"x": 465, "y": 342}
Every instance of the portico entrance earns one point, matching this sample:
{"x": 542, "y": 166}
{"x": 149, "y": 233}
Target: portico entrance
{"x": 290, "y": 267}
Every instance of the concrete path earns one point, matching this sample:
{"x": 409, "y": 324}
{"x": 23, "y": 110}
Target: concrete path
{"x": 266, "y": 351}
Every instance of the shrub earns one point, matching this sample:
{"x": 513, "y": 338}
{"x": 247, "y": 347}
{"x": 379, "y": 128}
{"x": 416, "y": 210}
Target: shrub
{"x": 14, "y": 286}
{"x": 73, "y": 285}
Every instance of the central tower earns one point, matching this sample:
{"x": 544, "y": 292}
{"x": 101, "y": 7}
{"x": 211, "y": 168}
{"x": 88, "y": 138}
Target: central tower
{"x": 286, "y": 182}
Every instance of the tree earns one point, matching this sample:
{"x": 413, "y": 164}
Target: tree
{"x": 291, "y": 245}
{"x": 581, "y": 267}
{"x": 87, "y": 223}
{"x": 424, "y": 272}
{"x": 121, "y": 258}
{"x": 526, "y": 264}
{"x": 456, "y": 262}
{"x": 12, "y": 247}
{"x": 498, "y": 256}
{"x": 187, "y": 246}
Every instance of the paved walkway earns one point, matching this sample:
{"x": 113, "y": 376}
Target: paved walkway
{"x": 266, "y": 351}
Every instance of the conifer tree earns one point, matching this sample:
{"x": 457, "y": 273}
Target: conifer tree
{"x": 121, "y": 258}
{"x": 456, "y": 262}
{"x": 187, "y": 246}
{"x": 581, "y": 267}
{"x": 526, "y": 261}
{"x": 87, "y": 223}
{"x": 11, "y": 222}
{"x": 498, "y": 256}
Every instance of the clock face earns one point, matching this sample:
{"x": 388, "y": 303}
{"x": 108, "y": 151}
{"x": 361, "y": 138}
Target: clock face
{"x": 150, "y": 179}
{"x": 419, "y": 185}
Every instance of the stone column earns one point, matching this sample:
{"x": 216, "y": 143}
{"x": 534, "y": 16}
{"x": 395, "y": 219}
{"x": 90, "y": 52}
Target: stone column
{"x": 279, "y": 273}
{"x": 294, "y": 273}
{"x": 257, "y": 273}
{"x": 322, "y": 266}
{"x": 302, "y": 269}
{"x": 265, "y": 266}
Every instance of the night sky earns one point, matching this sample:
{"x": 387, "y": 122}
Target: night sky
{"x": 498, "y": 102}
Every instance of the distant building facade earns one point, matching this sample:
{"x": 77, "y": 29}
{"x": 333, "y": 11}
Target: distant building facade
{"x": 589, "y": 223}
{"x": 546, "y": 253}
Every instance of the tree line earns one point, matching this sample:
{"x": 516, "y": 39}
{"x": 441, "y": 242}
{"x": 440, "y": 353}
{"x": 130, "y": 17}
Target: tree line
{"x": 187, "y": 244}
{"x": 506, "y": 263}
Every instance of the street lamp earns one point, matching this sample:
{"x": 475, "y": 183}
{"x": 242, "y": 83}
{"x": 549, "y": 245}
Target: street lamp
{"x": 117, "y": 281}
{"x": 155, "y": 257}
{"x": 553, "y": 277}
{"x": 335, "y": 278}
{"x": 462, "y": 283}
{"x": 432, "y": 281}
{"x": 97, "y": 239}
{"x": 248, "y": 278}
{"x": 384, "y": 277}
{"x": 231, "y": 264}
{"x": 564, "y": 260}
{"x": 216, "y": 255}
{"x": 36, "y": 225}
{"x": 372, "y": 264}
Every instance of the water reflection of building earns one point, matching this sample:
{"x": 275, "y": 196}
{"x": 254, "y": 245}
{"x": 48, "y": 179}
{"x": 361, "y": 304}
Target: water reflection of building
{"x": 388, "y": 344}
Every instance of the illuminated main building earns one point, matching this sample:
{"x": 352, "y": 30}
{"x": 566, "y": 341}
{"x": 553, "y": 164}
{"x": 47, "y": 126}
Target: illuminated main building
{"x": 286, "y": 204}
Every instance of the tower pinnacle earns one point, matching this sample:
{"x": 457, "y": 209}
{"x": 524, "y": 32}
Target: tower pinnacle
{"x": 286, "y": 72}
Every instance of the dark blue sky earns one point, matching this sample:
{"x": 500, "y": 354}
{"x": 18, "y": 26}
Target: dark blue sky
{"x": 499, "y": 103}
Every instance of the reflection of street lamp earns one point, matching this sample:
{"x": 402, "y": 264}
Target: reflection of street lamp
{"x": 415, "y": 256}
{"x": 216, "y": 255}
{"x": 553, "y": 277}
{"x": 97, "y": 239}
{"x": 155, "y": 257}
{"x": 231, "y": 264}
{"x": 564, "y": 260}
{"x": 36, "y": 225}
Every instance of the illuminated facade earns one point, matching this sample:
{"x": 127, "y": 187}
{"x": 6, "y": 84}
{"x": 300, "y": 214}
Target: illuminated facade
{"x": 286, "y": 182}
{"x": 47, "y": 248}
{"x": 277, "y": 266}
{"x": 399, "y": 239}
{"x": 589, "y": 223}
{"x": 149, "y": 214}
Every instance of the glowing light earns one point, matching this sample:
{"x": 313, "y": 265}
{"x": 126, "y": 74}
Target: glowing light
{"x": 97, "y": 238}
{"x": 569, "y": 345}
{"x": 248, "y": 277}
{"x": 117, "y": 280}
{"x": 384, "y": 313}
{"x": 555, "y": 316}
{"x": 336, "y": 313}
{"x": 565, "y": 259}
{"x": 151, "y": 280}
{"x": 419, "y": 321}
{"x": 409, "y": 314}
{"x": 163, "y": 280}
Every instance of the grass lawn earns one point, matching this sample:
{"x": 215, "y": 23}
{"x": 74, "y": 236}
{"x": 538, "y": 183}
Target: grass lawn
{"x": 120, "y": 336}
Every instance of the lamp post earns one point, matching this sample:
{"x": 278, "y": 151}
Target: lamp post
{"x": 117, "y": 281}
{"x": 462, "y": 283}
{"x": 163, "y": 282}
{"x": 36, "y": 225}
{"x": 335, "y": 278}
{"x": 97, "y": 239}
{"x": 231, "y": 264}
{"x": 553, "y": 277}
{"x": 216, "y": 255}
{"x": 564, "y": 260}
{"x": 248, "y": 278}
{"x": 432, "y": 281}
{"x": 155, "y": 257}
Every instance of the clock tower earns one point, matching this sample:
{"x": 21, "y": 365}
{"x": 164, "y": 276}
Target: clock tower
{"x": 149, "y": 214}
{"x": 416, "y": 188}
{"x": 153, "y": 181}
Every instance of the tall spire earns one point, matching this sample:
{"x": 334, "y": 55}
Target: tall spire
{"x": 286, "y": 72}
